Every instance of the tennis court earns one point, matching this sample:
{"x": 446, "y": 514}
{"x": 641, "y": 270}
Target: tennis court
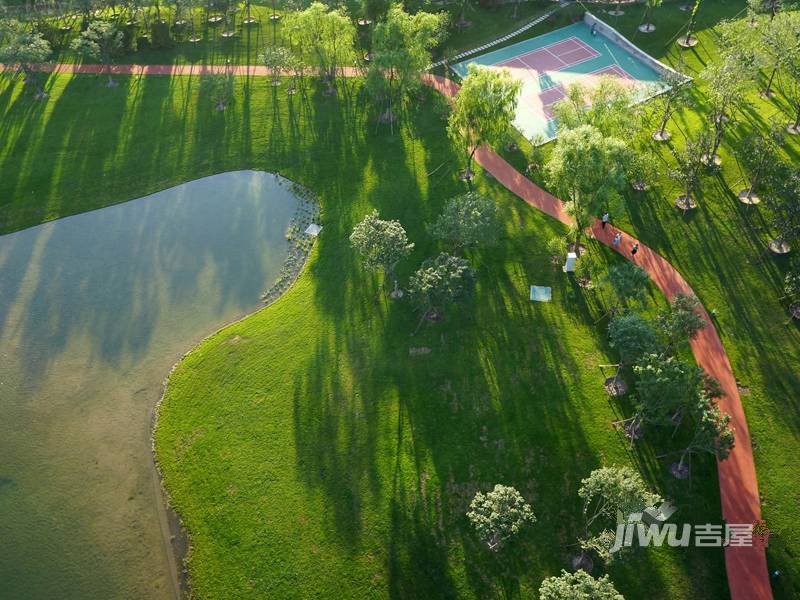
{"x": 546, "y": 65}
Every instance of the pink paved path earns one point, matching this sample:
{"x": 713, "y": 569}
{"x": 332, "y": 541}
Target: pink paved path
{"x": 748, "y": 578}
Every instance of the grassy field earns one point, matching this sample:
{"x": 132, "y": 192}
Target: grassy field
{"x": 721, "y": 250}
{"x": 309, "y": 453}
{"x": 307, "y": 450}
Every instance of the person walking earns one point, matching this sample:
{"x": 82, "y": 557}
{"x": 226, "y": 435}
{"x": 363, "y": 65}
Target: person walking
{"x": 617, "y": 240}
{"x": 635, "y": 249}
{"x": 604, "y": 220}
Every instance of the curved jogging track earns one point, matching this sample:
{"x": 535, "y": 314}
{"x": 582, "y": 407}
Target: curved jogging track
{"x": 748, "y": 577}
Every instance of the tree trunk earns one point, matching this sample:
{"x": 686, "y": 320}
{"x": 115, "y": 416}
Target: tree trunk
{"x": 768, "y": 91}
{"x": 665, "y": 120}
{"x": 425, "y": 314}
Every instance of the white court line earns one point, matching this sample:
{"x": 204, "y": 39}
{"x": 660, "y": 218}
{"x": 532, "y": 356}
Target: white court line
{"x": 572, "y": 37}
{"x": 563, "y": 63}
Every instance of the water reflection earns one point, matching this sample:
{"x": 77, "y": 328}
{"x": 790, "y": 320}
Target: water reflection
{"x": 94, "y": 309}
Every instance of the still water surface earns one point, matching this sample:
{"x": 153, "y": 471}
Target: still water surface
{"x": 94, "y": 310}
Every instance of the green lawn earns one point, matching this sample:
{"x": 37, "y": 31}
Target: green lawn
{"x": 309, "y": 453}
{"x": 720, "y": 249}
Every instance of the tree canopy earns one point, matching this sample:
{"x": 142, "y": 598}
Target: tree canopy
{"x": 666, "y": 386}
{"x": 608, "y": 494}
{"x": 19, "y": 45}
{"x": 632, "y": 336}
{"x": 628, "y": 282}
{"x": 498, "y": 515}
{"x": 606, "y": 105}
{"x": 440, "y": 281}
{"x": 578, "y": 586}
{"x": 99, "y": 41}
{"x": 401, "y": 52}
{"x": 467, "y": 220}
{"x": 483, "y": 109}
{"x": 681, "y": 321}
{"x": 324, "y": 37}
{"x": 587, "y": 168}
{"x": 381, "y": 244}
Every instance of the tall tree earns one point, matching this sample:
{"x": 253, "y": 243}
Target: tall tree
{"x": 689, "y": 169}
{"x": 682, "y": 321}
{"x": 381, "y": 244}
{"x": 688, "y": 40}
{"x": 467, "y": 220}
{"x": 713, "y": 434}
{"x": 632, "y": 336}
{"x": 578, "y": 586}
{"x": 20, "y": 46}
{"x": 666, "y": 387}
{"x": 100, "y": 41}
{"x": 325, "y": 37}
{"x": 606, "y": 105}
{"x": 726, "y": 81}
{"x": 608, "y": 494}
{"x": 783, "y": 200}
{"x": 401, "y": 52}
{"x": 676, "y": 96}
{"x": 499, "y": 515}
{"x": 276, "y": 59}
{"x": 218, "y": 87}
{"x": 777, "y": 43}
{"x": 588, "y": 170}
{"x": 788, "y": 24}
{"x": 483, "y": 110}
{"x": 628, "y": 282}
{"x": 760, "y": 154}
{"x": 438, "y": 282}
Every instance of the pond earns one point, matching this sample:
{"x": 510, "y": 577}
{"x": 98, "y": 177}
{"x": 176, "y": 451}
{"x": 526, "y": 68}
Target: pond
{"x": 94, "y": 311}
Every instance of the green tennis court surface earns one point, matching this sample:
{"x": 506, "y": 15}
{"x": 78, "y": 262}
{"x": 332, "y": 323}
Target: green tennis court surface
{"x": 547, "y": 64}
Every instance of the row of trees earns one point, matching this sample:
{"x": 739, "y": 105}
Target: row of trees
{"x": 501, "y": 514}
{"x": 467, "y": 221}
{"x": 608, "y": 495}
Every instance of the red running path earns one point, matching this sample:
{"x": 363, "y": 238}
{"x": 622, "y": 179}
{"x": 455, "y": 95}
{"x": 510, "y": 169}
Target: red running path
{"x": 748, "y": 577}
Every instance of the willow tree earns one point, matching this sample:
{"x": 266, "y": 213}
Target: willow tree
{"x": 588, "y": 170}
{"x": 483, "y": 110}
{"x": 401, "y": 52}
{"x": 326, "y": 38}
{"x": 607, "y": 105}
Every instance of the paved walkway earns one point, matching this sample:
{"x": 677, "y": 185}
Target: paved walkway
{"x": 748, "y": 577}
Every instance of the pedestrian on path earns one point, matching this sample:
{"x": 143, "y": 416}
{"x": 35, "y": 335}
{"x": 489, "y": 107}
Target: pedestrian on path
{"x": 604, "y": 220}
{"x": 617, "y": 240}
{"x": 635, "y": 249}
